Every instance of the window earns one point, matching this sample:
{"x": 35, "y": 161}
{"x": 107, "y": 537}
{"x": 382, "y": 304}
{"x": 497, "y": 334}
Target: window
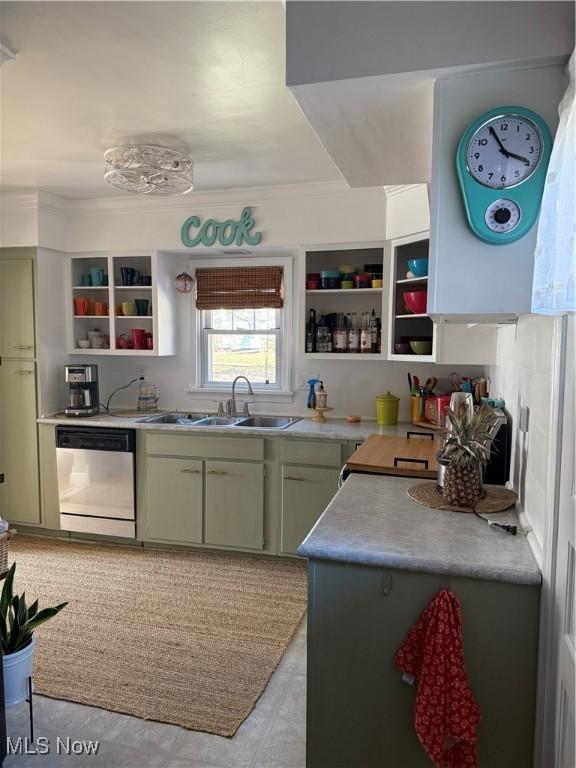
{"x": 242, "y": 317}
{"x": 242, "y": 341}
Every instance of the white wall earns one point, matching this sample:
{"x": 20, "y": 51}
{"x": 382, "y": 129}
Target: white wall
{"x": 467, "y": 275}
{"x": 523, "y": 377}
{"x": 51, "y": 299}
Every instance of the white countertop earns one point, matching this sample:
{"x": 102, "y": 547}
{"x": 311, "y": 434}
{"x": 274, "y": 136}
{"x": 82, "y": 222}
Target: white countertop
{"x": 372, "y": 521}
{"x": 333, "y": 429}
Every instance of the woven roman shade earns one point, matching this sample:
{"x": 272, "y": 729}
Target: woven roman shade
{"x": 239, "y": 288}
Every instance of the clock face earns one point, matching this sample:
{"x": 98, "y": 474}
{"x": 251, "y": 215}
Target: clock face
{"x": 505, "y": 151}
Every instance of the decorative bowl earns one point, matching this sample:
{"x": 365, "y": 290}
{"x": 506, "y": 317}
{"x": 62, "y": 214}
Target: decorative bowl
{"x": 418, "y": 267}
{"x": 402, "y": 349}
{"x": 415, "y": 301}
{"x": 421, "y": 347}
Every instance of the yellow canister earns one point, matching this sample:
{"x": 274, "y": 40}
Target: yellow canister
{"x": 387, "y": 409}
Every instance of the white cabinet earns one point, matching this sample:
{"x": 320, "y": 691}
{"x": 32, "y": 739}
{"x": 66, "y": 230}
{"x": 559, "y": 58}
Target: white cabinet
{"x": 129, "y": 298}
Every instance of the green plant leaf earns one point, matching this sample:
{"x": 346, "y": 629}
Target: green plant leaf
{"x": 43, "y": 615}
{"x": 33, "y": 610}
{"x": 6, "y": 597}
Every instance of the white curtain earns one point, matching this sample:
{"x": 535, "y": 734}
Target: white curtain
{"x": 554, "y": 287}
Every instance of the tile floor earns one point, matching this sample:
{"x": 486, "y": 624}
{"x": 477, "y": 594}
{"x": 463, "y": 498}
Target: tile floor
{"x": 273, "y": 736}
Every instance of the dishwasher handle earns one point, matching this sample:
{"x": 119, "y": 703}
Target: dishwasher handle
{"x": 96, "y": 439}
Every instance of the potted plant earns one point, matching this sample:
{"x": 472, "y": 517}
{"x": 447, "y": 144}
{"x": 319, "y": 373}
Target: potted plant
{"x": 465, "y": 450}
{"x": 17, "y": 624}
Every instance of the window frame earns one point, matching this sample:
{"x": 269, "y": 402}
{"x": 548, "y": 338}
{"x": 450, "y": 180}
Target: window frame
{"x": 282, "y": 332}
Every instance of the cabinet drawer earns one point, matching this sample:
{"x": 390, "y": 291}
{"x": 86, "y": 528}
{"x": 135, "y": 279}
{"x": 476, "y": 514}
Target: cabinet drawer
{"x": 324, "y": 454}
{"x": 203, "y": 446}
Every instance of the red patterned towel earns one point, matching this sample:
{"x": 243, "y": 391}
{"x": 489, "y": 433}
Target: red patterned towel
{"x": 446, "y": 714}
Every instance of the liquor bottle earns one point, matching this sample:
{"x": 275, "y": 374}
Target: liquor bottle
{"x": 373, "y": 332}
{"x": 353, "y": 335}
{"x": 340, "y": 334}
{"x": 323, "y": 336}
{"x": 311, "y": 332}
{"x": 365, "y": 334}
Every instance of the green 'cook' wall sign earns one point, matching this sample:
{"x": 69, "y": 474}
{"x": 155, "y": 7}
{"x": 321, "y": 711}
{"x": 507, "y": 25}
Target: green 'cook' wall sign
{"x": 224, "y": 232}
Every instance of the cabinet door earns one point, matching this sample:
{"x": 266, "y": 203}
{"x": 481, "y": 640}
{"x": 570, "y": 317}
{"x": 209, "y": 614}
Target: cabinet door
{"x": 17, "y": 308}
{"x": 235, "y": 504}
{"x": 175, "y": 500}
{"x": 306, "y": 492}
{"x": 19, "y": 493}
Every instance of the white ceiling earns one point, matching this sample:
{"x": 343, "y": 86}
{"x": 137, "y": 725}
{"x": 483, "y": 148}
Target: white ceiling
{"x": 204, "y": 77}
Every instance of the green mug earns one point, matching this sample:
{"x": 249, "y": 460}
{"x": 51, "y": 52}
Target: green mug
{"x": 128, "y": 307}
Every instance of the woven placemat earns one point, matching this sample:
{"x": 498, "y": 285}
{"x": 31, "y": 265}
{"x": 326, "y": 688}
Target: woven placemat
{"x": 497, "y": 498}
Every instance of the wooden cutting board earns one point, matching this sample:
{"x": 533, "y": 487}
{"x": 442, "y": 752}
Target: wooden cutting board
{"x": 389, "y": 456}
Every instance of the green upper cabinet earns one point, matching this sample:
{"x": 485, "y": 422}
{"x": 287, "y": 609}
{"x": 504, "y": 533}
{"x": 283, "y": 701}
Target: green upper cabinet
{"x": 175, "y": 495}
{"x": 19, "y": 493}
{"x": 306, "y": 492}
{"x": 234, "y": 504}
{"x": 17, "y": 308}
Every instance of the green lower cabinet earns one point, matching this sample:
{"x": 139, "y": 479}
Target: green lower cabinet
{"x": 306, "y": 492}
{"x": 234, "y": 504}
{"x": 175, "y": 495}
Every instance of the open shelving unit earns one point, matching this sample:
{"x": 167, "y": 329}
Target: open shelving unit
{"x": 158, "y": 320}
{"x": 405, "y": 325}
{"x": 331, "y": 301}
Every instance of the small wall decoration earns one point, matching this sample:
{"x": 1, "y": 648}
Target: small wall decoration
{"x": 221, "y": 232}
{"x": 501, "y": 164}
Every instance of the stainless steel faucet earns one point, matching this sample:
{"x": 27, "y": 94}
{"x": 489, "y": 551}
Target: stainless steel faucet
{"x": 231, "y": 404}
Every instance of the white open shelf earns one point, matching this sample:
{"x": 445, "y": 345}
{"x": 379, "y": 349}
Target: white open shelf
{"x": 343, "y": 291}
{"x": 408, "y": 280}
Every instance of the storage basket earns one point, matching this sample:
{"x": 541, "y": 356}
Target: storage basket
{"x": 4, "y": 541}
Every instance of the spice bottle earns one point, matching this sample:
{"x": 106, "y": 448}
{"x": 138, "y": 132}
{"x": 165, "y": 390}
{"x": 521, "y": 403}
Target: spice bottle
{"x": 353, "y": 335}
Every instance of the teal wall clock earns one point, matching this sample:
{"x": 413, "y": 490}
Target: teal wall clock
{"x": 501, "y": 164}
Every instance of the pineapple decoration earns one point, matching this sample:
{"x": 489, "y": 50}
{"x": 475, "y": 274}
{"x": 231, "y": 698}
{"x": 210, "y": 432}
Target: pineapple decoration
{"x": 465, "y": 450}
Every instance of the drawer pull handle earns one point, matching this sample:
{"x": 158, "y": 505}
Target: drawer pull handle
{"x": 216, "y": 472}
{"x": 420, "y": 434}
{"x": 22, "y": 371}
{"x": 191, "y": 471}
{"x": 22, "y": 346}
{"x": 289, "y": 477}
{"x": 411, "y": 461}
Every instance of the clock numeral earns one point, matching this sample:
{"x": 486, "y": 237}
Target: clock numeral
{"x": 504, "y": 126}
{"x": 528, "y": 136}
{"x": 531, "y": 151}
{"x": 490, "y": 175}
{"x": 480, "y": 168}
{"x": 483, "y": 142}
{"x": 517, "y": 129}
{"x": 502, "y": 179}
{"x": 476, "y": 155}
{"x": 516, "y": 173}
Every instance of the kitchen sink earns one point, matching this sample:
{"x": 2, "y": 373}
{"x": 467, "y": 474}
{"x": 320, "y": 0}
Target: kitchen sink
{"x": 219, "y": 421}
{"x": 202, "y": 420}
{"x": 268, "y": 422}
{"x": 173, "y": 418}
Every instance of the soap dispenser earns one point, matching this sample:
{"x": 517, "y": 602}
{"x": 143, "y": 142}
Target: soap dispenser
{"x": 321, "y": 397}
{"x": 312, "y": 393}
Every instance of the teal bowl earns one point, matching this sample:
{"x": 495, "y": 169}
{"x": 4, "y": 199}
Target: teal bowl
{"x": 418, "y": 267}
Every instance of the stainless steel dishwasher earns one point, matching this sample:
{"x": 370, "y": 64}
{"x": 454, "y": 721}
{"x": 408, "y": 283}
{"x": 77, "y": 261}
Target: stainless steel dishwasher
{"x": 96, "y": 480}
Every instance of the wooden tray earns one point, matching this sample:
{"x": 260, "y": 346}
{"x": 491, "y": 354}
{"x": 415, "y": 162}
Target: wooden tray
{"x": 407, "y": 457}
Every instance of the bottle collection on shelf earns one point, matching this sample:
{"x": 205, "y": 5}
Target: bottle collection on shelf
{"x": 344, "y": 333}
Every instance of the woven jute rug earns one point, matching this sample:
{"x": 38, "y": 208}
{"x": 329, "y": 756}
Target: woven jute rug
{"x": 179, "y": 637}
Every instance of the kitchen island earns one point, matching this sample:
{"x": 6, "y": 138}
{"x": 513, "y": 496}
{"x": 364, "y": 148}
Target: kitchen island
{"x": 376, "y": 559}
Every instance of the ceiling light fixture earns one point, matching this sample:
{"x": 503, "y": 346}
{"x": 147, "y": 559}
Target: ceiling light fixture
{"x": 148, "y": 170}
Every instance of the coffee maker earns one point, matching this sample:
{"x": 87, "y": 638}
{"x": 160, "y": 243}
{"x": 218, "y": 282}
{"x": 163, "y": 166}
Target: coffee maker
{"x": 83, "y": 396}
